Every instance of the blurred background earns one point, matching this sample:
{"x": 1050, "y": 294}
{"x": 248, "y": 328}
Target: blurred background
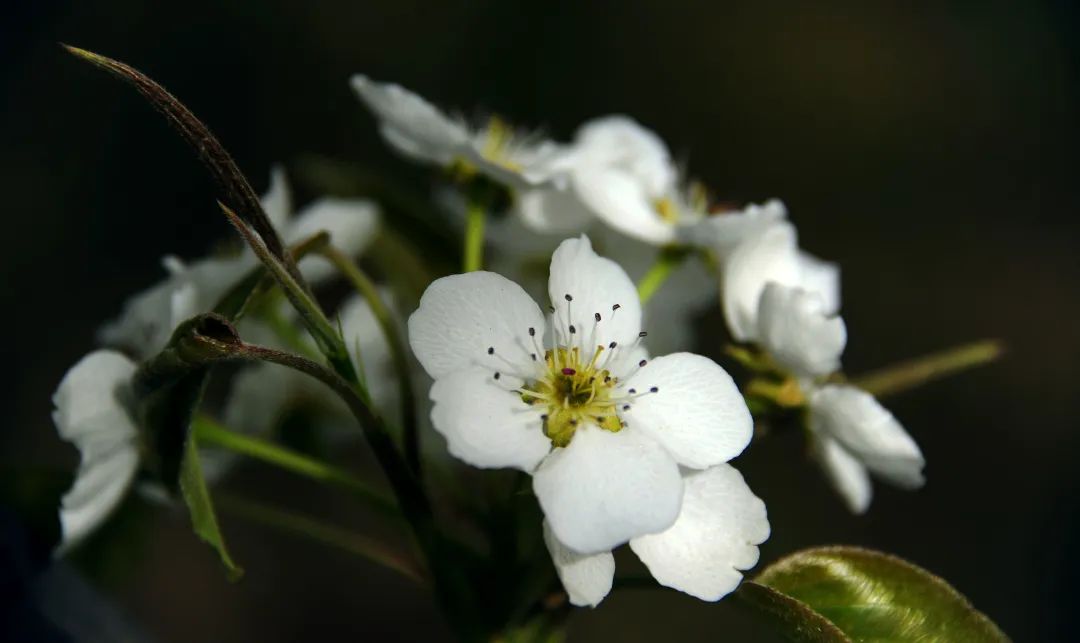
{"x": 931, "y": 151}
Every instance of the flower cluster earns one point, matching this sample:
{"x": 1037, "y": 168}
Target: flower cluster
{"x": 623, "y": 447}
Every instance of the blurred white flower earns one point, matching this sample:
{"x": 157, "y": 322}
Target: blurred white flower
{"x": 575, "y": 401}
{"x": 771, "y": 254}
{"x": 92, "y": 411}
{"x": 421, "y": 131}
{"x": 150, "y": 317}
{"x": 851, "y": 434}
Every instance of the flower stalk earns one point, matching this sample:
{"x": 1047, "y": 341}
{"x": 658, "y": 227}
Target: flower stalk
{"x": 667, "y": 260}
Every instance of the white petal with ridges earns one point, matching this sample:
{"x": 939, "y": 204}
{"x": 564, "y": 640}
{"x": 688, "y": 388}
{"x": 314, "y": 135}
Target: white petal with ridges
{"x": 486, "y": 425}
{"x": 587, "y": 578}
{"x": 797, "y": 331}
{"x": 622, "y": 202}
{"x": 606, "y": 488}
{"x": 596, "y": 284}
{"x": 714, "y": 538}
{"x": 697, "y": 413}
{"x": 461, "y": 316}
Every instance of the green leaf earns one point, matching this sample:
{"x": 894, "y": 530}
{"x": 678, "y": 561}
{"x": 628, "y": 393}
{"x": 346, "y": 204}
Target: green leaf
{"x": 201, "y": 508}
{"x": 867, "y": 596}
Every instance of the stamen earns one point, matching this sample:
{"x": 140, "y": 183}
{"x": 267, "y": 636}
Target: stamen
{"x": 642, "y": 334}
{"x": 569, "y": 371}
{"x": 498, "y": 374}
{"x": 642, "y": 363}
{"x": 491, "y": 350}
{"x": 596, "y": 316}
{"x": 654, "y": 389}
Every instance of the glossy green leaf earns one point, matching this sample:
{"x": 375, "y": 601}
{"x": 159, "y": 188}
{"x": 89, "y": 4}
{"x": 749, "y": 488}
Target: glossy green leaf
{"x": 197, "y": 497}
{"x": 868, "y": 596}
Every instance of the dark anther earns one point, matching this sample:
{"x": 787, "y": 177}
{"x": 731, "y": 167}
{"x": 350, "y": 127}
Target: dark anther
{"x": 607, "y": 378}
{"x": 572, "y": 329}
{"x": 573, "y": 422}
{"x": 533, "y": 356}
{"x": 596, "y": 316}
{"x": 616, "y": 307}
{"x": 642, "y": 334}
{"x": 632, "y": 391}
{"x": 612, "y": 345}
{"x": 654, "y": 389}
{"x": 532, "y": 332}
{"x": 568, "y": 297}
{"x": 626, "y": 407}
{"x": 643, "y": 362}
{"x": 569, "y": 371}
{"x": 491, "y": 350}
{"x": 498, "y": 375}
{"x": 551, "y": 308}
{"x": 544, "y": 417}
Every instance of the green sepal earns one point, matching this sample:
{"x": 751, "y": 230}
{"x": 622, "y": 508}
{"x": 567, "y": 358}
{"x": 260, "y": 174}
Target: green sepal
{"x": 864, "y": 595}
{"x": 201, "y": 507}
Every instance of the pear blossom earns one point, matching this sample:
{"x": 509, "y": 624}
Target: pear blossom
{"x": 771, "y": 254}
{"x": 92, "y": 411}
{"x": 149, "y": 317}
{"x": 421, "y": 131}
{"x": 615, "y": 441}
{"x": 851, "y": 434}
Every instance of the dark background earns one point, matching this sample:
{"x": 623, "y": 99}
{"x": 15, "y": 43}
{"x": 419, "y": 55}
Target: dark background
{"x": 931, "y": 151}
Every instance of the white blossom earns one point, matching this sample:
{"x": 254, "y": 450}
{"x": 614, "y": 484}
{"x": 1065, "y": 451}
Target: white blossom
{"x": 610, "y": 437}
{"x": 92, "y": 411}
{"x": 851, "y": 434}
{"x": 419, "y": 130}
{"x": 150, "y": 317}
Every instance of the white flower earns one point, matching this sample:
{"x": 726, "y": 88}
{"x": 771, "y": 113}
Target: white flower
{"x": 92, "y": 411}
{"x": 605, "y": 432}
{"x": 150, "y": 317}
{"x": 851, "y": 434}
{"x": 419, "y": 130}
{"x": 771, "y": 255}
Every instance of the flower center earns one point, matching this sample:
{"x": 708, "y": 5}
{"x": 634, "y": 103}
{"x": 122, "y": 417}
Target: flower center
{"x": 573, "y": 392}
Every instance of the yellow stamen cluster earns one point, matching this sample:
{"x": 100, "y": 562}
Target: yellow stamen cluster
{"x": 497, "y": 138}
{"x": 573, "y": 393}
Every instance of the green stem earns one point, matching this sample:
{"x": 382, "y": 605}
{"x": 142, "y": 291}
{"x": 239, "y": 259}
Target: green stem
{"x": 210, "y": 432}
{"x": 911, "y": 373}
{"x": 667, "y": 260}
{"x": 297, "y": 524}
{"x": 366, "y": 287}
{"x": 474, "y": 235}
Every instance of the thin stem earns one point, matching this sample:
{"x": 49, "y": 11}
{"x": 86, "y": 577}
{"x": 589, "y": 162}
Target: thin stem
{"x": 474, "y": 235}
{"x": 911, "y": 373}
{"x": 667, "y": 260}
{"x": 324, "y": 333}
{"x": 300, "y": 525}
{"x": 210, "y": 432}
{"x": 366, "y": 287}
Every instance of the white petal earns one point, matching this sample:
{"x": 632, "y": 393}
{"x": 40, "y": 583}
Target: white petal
{"x": 821, "y": 277}
{"x": 865, "y": 428}
{"x": 91, "y": 411}
{"x": 486, "y": 425}
{"x": 277, "y": 202}
{"x": 352, "y": 224}
{"x": 461, "y": 316}
{"x": 525, "y": 165}
{"x": 587, "y": 578}
{"x": 622, "y": 143}
{"x": 551, "y": 210}
{"x": 597, "y": 285}
{"x": 697, "y": 413}
{"x": 619, "y": 199}
{"x": 847, "y": 475}
{"x": 715, "y": 536}
{"x": 726, "y": 231}
{"x": 769, "y": 256}
{"x": 410, "y": 124}
{"x": 606, "y": 488}
{"x": 798, "y": 332}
